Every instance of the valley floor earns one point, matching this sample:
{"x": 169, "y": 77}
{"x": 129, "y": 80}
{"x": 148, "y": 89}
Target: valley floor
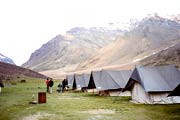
{"x": 14, "y": 105}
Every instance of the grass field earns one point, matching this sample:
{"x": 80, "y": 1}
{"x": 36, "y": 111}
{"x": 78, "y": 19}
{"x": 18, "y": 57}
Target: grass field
{"x": 14, "y": 105}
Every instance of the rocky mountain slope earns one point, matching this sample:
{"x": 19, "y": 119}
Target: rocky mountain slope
{"x": 67, "y": 51}
{"x": 6, "y": 59}
{"x": 8, "y": 70}
{"x": 167, "y": 56}
{"x": 151, "y": 35}
{"x": 153, "y": 41}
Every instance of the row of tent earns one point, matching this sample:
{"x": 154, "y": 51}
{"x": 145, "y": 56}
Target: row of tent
{"x": 150, "y": 84}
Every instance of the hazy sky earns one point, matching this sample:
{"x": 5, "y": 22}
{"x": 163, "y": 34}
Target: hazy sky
{"x": 27, "y": 24}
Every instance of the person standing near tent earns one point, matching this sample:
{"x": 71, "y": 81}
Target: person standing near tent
{"x": 1, "y": 84}
{"x": 47, "y": 84}
{"x": 64, "y": 84}
{"x": 51, "y": 83}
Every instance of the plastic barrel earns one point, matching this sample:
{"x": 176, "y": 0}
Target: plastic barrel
{"x": 42, "y": 97}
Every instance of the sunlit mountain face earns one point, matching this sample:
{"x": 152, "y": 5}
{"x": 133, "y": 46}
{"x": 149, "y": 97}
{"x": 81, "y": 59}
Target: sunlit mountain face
{"x": 152, "y": 35}
{"x": 76, "y": 46}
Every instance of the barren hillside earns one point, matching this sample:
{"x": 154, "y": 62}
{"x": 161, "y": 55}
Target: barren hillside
{"x": 152, "y": 35}
{"x": 152, "y": 41}
{"x": 9, "y": 70}
{"x": 67, "y": 51}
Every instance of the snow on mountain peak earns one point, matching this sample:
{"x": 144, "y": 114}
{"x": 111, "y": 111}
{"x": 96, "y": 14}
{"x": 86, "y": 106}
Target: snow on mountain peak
{"x": 6, "y": 59}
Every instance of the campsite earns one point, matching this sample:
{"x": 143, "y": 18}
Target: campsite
{"x": 89, "y": 60}
{"x": 75, "y": 105}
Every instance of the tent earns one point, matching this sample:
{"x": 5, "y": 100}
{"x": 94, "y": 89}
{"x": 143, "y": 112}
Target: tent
{"x": 109, "y": 82}
{"x": 151, "y": 85}
{"x": 95, "y": 75}
{"x": 176, "y": 91}
{"x": 70, "y": 79}
{"x": 81, "y": 81}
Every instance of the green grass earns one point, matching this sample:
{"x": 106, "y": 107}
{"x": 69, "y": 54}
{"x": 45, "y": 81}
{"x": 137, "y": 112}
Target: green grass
{"x": 14, "y": 105}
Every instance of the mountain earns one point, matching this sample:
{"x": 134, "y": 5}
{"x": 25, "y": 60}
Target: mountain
{"x": 150, "y": 36}
{"x": 152, "y": 41}
{"x": 67, "y": 51}
{"x": 8, "y": 70}
{"x": 6, "y": 59}
{"x": 175, "y": 18}
{"x": 167, "y": 56}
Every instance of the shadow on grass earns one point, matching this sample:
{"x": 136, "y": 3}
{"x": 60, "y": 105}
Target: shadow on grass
{"x": 91, "y": 95}
{"x": 120, "y": 99}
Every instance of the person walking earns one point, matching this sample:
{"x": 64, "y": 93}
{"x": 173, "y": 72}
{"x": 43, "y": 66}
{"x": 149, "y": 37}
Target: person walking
{"x": 51, "y": 83}
{"x": 47, "y": 84}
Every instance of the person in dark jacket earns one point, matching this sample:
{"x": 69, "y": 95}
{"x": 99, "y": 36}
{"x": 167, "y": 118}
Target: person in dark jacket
{"x": 51, "y": 83}
{"x": 64, "y": 84}
{"x": 1, "y": 84}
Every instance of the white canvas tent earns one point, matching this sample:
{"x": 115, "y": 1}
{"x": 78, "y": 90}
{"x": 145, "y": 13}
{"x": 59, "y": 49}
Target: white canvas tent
{"x": 110, "y": 82}
{"x": 152, "y": 85}
{"x": 70, "y": 79}
{"x": 81, "y": 81}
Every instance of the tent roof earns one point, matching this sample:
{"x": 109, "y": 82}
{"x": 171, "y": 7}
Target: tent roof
{"x": 109, "y": 79}
{"x": 156, "y": 78}
{"x": 82, "y": 80}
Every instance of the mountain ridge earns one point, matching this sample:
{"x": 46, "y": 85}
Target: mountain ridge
{"x": 76, "y": 46}
{"x": 150, "y": 35}
{"x": 146, "y": 38}
{"x": 5, "y": 59}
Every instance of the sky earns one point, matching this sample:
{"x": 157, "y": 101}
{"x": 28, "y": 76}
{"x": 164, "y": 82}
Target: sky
{"x": 25, "y": 25}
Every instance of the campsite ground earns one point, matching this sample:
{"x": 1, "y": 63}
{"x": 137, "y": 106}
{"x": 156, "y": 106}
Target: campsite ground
{"x": 14, "y": 105}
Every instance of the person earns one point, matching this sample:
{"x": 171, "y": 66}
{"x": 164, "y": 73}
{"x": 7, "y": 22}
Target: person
{"x": 51, "y": 83}
{"x": 47, "y": 84}
{"x": 60, "y": 88}
{"x": 64, "y": 84}
{"x": 1, "y": 84}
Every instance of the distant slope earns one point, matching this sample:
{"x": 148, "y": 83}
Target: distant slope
{"x": 170, "y": 55}
{"x": 151, "y": 35}
{"x": 67, "y": 51}
{"x": 6, "y": 59}
{"x": 7, "y": 70}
